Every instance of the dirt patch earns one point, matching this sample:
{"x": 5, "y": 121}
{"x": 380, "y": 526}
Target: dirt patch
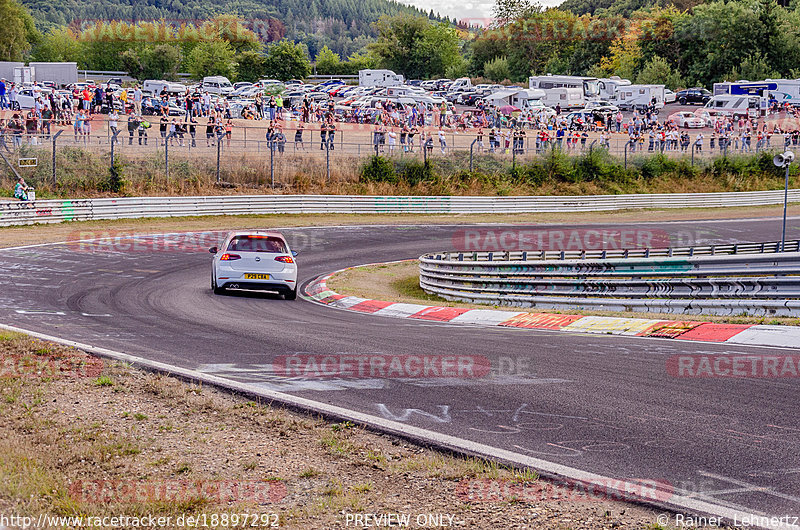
{"x": 35, "y": 234}
{"x": 98, "y": 439}
{"x": 399, "y": 282}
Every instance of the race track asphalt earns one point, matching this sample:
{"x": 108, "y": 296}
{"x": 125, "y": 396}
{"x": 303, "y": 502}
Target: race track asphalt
{"x": 604, "y": 404}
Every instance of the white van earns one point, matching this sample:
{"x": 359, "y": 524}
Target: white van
{"x": 462, "y": 84}
{"x": 217, "y": 84}
{"x": 155, "y": 87}
{"x": 736, "y": 106}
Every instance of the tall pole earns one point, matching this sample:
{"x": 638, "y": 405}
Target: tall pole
{"x": 785, "y": 201}
{"x": 471, "y": 147}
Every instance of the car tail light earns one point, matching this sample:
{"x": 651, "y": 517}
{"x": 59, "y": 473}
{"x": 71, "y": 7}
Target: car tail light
{"x": 229, "y": 257}
{"x": 285, "y": 259}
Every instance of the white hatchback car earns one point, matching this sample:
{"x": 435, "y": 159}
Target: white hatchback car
{"x": 255, "y": 260}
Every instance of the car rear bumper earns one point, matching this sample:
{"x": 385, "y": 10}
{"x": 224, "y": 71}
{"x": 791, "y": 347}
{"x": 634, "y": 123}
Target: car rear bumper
{"x": 255, "y": 285}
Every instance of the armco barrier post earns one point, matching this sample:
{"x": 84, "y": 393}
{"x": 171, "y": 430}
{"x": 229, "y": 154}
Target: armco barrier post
{"x": 55, "y": 136}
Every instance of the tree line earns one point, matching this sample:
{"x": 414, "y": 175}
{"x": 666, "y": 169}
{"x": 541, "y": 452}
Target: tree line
{"x": 699, "y": 45}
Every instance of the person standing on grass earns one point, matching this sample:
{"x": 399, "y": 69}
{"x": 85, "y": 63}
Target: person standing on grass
{"x": 3, "y": 101}
{"x": 210, "y": 132}
{"x": 137, "y": 101}
{"x": 113, "y": 121}
{"x": 331, "y": 134}
{"x": 442, "y": 140}
{"x": 87, "y": 128}
{"x": 193, "y": 130}
{"x": 298, "y": 138}
{"x": 323, "y": 136}
{"x": 133, "y": 124}
{"x": 271, "y": 108}
{"x": 228, "y": 131}
{"x": 77, "y": 126}
{"x": 172, "y": 131}
{"x": 162, "y": 129}
{"x": 142, "y": 129}
{"x": 47, "y": 120}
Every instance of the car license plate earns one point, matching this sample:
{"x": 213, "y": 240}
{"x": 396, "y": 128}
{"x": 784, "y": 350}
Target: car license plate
{"x": 252, "y": 276}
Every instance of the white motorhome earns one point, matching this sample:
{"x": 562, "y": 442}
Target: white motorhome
{"x": 564, "y": 98}
{"x": 155, "y": 87}
{"x": 737, "y": 106}
{"x": 384, "y": 78}
{"x": 589, "y": 86}
{"x": 217, "y": 84}
{"x": 639, "y": 97}
{"x": 609, "y": 87}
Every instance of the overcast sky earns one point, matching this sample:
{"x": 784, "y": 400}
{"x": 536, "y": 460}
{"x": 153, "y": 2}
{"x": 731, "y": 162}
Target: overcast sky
{"x": 461, "y": 9}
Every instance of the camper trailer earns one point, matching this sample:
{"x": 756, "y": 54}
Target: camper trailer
{"x": 565, "y": 98}
{"x": 744, "y": 88}
{"x": 639, "y": 97}
{"x": 737, "y": 106}
{"x": 384, "y": 78}
{"x": 608, "y": 87}
{"x": 588, "y": 87}
{"x": 522, "y": 98}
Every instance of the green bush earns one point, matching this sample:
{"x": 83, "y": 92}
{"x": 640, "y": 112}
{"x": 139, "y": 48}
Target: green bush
{"x": 378, "y": 169}
{"x": 414, "y": 172}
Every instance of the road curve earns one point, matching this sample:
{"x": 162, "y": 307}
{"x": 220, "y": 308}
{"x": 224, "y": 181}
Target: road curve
{"x": 601, "y": 404}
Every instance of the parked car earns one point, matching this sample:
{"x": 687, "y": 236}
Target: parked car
{"x": 687, "y": 120}
{"x": 669, "y": 96}
{"x": 706, "y": 116}
{"x": 693, "y": 95}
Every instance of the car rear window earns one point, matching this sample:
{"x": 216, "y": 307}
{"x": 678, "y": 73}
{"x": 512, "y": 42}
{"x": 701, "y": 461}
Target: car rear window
{"x": 258, "y": 244}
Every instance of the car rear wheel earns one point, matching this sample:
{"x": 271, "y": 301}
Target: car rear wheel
{"x": 290, "y": 295}
{"x": 682, "y": 101}
{"x": 217, "y": 290}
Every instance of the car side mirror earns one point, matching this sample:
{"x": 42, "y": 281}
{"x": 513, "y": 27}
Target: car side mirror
{"x": 294, "y": 253}
{"x": 213, "y": 250}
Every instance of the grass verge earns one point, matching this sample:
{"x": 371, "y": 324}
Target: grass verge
{"x": 61, "y": 435}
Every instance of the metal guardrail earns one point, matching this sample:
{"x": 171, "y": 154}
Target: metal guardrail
{"x": 751, "y": 278}
{"x": 49, "y": 211}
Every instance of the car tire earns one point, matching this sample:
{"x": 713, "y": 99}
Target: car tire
{"x": 217, "y": 290}
{"x": 290, "y": 295}
{"x": 682, "y": 101}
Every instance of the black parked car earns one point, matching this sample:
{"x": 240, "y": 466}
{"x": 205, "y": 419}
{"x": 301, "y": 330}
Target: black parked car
{"x": 693, "y": 95}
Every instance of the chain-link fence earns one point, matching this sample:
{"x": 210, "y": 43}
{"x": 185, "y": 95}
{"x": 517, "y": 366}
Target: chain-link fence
{"x": 148, "y": 160}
